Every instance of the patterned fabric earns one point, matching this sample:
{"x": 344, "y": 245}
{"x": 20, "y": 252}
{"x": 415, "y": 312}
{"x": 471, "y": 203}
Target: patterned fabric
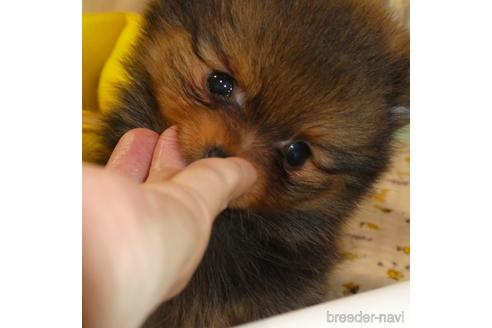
{"x": 376, "y": 241}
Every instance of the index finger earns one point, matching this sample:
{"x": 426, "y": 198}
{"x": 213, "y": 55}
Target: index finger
{"x": 133, "y": 154}
{"x": 166, "y": 160}
{"x": 208, "y": 185}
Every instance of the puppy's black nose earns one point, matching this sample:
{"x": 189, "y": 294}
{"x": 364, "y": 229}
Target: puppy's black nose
{"x": 216, "y": 152}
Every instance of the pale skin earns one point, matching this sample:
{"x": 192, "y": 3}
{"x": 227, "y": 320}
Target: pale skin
{"x": 146, "y": 224}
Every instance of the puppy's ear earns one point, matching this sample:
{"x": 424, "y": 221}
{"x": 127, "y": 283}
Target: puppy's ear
{"x": 398, "y": 97}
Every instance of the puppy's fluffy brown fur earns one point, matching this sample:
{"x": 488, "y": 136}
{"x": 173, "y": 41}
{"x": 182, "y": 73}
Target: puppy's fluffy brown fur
{"x": 332, "y": 73}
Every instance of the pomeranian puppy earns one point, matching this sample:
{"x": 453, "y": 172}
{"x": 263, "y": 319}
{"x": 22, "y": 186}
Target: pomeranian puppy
{"x": 309, "y": 92}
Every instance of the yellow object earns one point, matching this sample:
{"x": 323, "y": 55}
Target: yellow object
{"x": 107, "y": 39}
{"x": 394, "y": 274}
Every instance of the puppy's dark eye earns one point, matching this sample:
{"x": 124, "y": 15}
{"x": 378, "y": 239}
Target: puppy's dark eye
{"x": 220, "y": 84}
{"x": 297, "y": 153}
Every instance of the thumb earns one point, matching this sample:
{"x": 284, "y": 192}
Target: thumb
{"x": 208, "y": 185}
{"x": 191, "y": 200}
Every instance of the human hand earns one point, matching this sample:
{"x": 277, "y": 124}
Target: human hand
{"x": 147, "y": 222}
